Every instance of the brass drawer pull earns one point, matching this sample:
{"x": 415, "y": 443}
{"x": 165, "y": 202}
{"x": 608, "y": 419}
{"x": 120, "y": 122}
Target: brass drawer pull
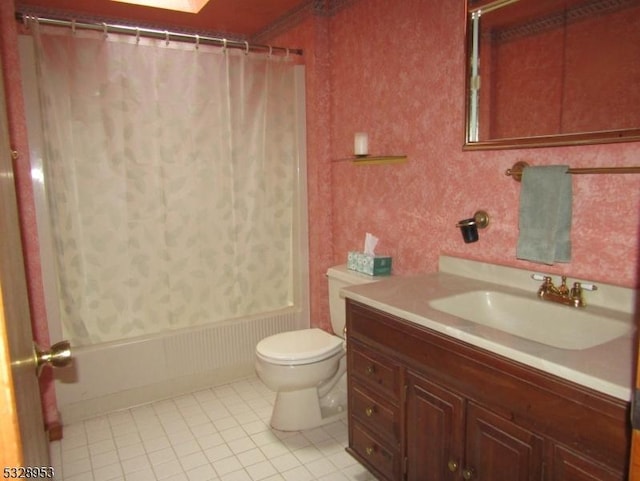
{"x": 371, "y": 369}
{"x": 453, "y": 466}
{"x": 370, "y": 450}
{"x": 468, "y": 473}
{"x": 370, "y": 411}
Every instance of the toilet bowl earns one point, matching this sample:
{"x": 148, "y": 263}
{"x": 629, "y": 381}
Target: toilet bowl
{"x": 307, "y": 367}
{"x": 302, "y": 367}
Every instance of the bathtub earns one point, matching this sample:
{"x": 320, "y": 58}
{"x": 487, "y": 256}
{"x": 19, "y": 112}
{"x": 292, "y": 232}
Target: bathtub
{"x": 118, "y": 375}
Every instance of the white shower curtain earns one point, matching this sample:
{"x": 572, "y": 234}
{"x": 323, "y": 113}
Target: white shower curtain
{"x": 170, "y": 172}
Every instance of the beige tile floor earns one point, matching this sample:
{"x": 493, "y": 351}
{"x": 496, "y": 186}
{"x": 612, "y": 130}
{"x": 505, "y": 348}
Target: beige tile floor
{"x": 220, "y": 433}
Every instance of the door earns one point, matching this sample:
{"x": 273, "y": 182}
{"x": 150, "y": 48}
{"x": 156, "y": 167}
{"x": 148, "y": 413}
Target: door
{"x": 634, "y": 462}
{"x": 634, "y": 465}
{"x": 22, "y": 432}
{"x": 500, "y": 449}
{"x": 435, "y": 430}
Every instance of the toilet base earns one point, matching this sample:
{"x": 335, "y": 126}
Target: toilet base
{"x": 299, "y": 410}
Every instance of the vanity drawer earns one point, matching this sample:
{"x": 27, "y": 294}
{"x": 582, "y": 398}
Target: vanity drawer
{"x": 374, "y": 453}
{"x": 375, "y": 413}
{"x": 374, "y": 370}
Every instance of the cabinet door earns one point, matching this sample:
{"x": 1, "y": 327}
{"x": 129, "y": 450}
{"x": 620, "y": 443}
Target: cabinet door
{"x": 500, "y": 449}
{"x": 570, "y": 466}
{"x": 435, "y": 430}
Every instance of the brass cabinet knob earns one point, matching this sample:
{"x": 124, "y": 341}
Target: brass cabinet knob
{"x": 370, "y": 450}
{"x": 468, "y": 473}
{"x": 371, "y": 369}
{"x": 370, "y": 411}
{"x": 453, "y": 465}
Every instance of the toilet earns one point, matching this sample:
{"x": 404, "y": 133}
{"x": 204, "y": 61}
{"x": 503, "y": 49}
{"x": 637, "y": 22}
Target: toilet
{"x": 307, "y": 367}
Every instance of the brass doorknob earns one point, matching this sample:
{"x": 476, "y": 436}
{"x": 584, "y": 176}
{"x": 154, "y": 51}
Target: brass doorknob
{"x": 59, "y": 355}
{"x": 453, "y": 466}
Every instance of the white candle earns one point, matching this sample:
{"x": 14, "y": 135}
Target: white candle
{"x": 361, "y": 144}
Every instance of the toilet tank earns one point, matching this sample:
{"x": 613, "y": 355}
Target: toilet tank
{"x": 339, "y": 277}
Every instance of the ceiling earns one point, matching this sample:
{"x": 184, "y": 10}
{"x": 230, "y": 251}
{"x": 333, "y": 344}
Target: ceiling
{"x": 237, "y": 18}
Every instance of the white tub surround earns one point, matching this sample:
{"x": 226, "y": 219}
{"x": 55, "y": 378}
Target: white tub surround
{"x": 607, "y": 367}
{"x": 119, "y": 375}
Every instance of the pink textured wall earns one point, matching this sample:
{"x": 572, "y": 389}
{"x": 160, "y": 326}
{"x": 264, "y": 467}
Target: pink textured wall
{"x": 396, "y": 71}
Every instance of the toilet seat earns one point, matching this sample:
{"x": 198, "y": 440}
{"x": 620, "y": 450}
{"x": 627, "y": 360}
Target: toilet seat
{"x": 294, "y": 348}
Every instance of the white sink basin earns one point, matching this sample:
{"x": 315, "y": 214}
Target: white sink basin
{"x": 534, "y": 319}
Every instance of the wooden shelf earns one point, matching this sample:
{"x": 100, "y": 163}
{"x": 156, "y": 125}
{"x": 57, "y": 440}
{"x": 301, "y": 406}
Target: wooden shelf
{"x": 376, "y": 159}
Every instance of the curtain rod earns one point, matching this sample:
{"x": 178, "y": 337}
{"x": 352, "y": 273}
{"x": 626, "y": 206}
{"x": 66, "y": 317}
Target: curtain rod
{"x": 157, "y": 34}
{"x": 516, "y": 171}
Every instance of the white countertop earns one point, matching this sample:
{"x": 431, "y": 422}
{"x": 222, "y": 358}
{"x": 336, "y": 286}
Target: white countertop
{"x": 607, "y": 368}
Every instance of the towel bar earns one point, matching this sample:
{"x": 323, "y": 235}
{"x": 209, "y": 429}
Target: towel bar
{"x": 516, "y": 170}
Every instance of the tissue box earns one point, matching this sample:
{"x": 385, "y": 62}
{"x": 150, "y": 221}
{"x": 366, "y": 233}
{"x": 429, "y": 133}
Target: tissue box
{"x": 352, "y": 260}
{"x": 368, "y": 264}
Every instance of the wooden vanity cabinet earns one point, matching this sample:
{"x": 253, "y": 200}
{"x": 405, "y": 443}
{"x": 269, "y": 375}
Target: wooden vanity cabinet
{"x": 424, "y": 406}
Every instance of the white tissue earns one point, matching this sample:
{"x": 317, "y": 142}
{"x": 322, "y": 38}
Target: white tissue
{"x": 370, "y": 242}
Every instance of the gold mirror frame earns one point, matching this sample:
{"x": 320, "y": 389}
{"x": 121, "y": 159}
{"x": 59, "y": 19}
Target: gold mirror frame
{"x": 566, "y": 139}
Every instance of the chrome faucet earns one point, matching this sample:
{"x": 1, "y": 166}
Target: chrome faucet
{"x": 562, "y": 294}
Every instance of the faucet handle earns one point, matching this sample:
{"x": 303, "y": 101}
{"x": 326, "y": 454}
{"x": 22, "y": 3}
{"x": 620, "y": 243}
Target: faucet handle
{"x": 547, "y": 286}
{"x": 547, "y": 280}
{"x": 576, "y": 293}
{"x": 579, "y": 286}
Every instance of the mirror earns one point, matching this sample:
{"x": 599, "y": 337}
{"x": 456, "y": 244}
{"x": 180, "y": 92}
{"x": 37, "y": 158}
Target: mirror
{"x": 552, "y": 72}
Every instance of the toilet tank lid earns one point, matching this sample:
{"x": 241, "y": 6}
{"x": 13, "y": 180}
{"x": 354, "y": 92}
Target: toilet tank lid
{"x": 349, "y": 276}
{"x": 303, "y": 346}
